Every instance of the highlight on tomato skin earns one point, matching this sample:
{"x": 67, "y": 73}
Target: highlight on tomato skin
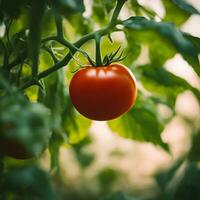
{"x": 103, "y": 93}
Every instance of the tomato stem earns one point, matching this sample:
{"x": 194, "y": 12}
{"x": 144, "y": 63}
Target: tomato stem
{"x": 98, "y": 50}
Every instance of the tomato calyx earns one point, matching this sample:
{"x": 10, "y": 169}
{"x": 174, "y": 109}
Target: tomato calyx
{"x": 108, "y": 59}
{"x": 111, "y": 58}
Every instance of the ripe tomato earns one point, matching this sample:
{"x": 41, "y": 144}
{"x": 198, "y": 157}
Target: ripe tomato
{"x": 103, "y": 93}
{"x": 24, "y": 127}
{"x": 14, "y": 149}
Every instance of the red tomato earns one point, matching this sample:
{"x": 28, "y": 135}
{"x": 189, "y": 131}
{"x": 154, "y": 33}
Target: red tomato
{"x": 11, "y": 147}
{"x": 14, "y": 149}
{"x": 103, "y": 93}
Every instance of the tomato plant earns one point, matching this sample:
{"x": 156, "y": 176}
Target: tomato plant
{"x": 136, "y": 93}
{"x": 103, "y": 93}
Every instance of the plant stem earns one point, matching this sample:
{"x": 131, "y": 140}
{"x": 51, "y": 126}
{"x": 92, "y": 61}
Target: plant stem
{"x": 98, "y": 50}
{"x": 59, "y": 26}
{"x": 74, "y": 47}
{"x": 66, "y": 59}
{"x": 116, "y": 12}
{"x": 5, "y": 60}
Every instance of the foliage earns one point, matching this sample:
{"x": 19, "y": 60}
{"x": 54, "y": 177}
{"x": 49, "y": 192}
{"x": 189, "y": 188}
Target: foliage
{"x": 39, "y": 41}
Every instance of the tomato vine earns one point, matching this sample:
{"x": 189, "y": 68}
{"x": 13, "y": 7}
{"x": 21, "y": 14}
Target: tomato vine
{"x": 75, "y": 46}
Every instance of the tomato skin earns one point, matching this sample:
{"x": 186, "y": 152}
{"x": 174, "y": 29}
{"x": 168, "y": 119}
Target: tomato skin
{"x": 103, "y": 93}
{"x": 14, "y": 149}
{"x": 24, "y": 127}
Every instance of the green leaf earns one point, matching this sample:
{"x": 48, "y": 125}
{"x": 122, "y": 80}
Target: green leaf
{"x": 133, "y": 50}
{"x": 140, "y": 123}
{"x": 68, "y": 123}
{"x": 194, "y": 154}
{"x": 178, "y": 11}
{"x": 162, "y": 82}
{"x": 11, "y": 7}
{"x": 28, "y": 123}
{"x": 170, "y": 34}
{"x": 102, "y": 9}
{"x": 84, "y": 158}
{"x": 174, "y": 13}
{"x": 165, "y": 177}
{"x": 185, "y": 6}
{"x": 25, "y": 183}
{"x": 120, "y": 196}
{"x": 189, "y": 187}
{"x": 107, "y": 177}
{"x": 75, "y": 125}
{"x": 54, "y": 97}
{"x": 81, "y": 24}
{"x": 48, "y": 25}
{"x": 54, "y": 146}
{"x": 195, "y": 40}
{"x": 68, "y": 7}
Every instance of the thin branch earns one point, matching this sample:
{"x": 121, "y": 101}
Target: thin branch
{"x": 66, "y": 59}
{"x": 116, "y": 12}
{"x": 50, "y": 53}
{"x": 5, "y": 60}
{"x": 59, "y": 26}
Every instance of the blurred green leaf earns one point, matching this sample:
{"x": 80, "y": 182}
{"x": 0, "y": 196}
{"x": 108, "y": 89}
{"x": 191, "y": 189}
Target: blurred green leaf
{"x": 54, "y": 147}
{"x": 71, "y": 126}
{"x": 171, "y": 35}
{"x": 120, "y": 196}
{"x": 68, "y": 7}
{"x": 28, "y": 123}
{"x": 53, "y": 95}
{"x": 189, "y": 187}
{"x": 75, "y": 125}
{"x": 25, "y": 183}
{"x": 178, "y": 11}
{"x": 195, "y": 40}
{"x": 164, "y": 83}
{"x": 194, "y": 154}
{"x": 186, "y": 6}
{"x": 107, "y": 177}
{"x": 165, "y": 177}
{"x": 140, "y": 123}
{"x": 48, "y": 25}
{"x": 84, "y": 158}
{"x": 20, "y": 23}
{"x": 55, "y": 98}
{"x": 81, "y": 24}
{"x": 133, "y": 50}
{"x": 11, "y": 7}
{"x": 101, "y": 10}
{"x": 174, "y": 13}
